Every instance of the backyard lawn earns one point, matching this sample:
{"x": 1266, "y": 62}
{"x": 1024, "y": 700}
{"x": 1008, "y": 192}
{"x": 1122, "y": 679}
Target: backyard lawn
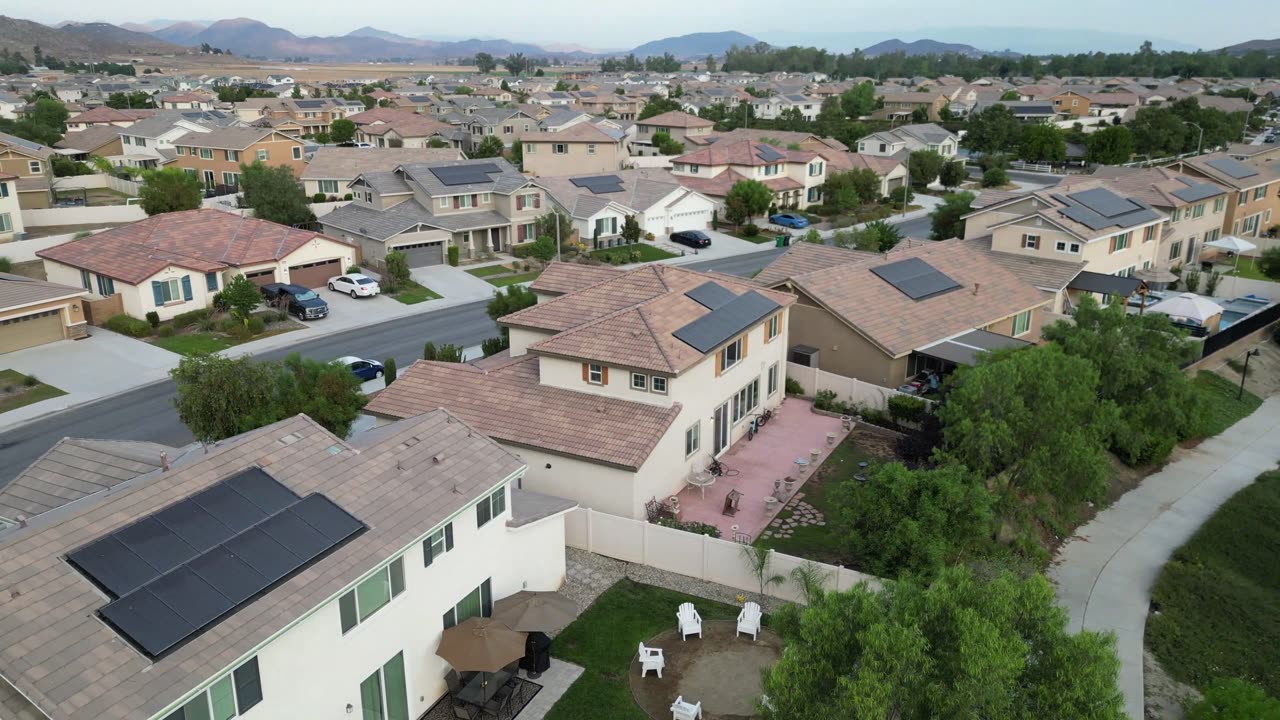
{"x": 648, "y": 253}
{"x": 761, "y": 238}
{"x": 412, "y": 293}
{"x": 1219, "y": 396}
{"x": 1248, "y": 269}
{"x": 603, "y": 641}
{"x": 506, "y": 280}
{"x": 16, "y": 390}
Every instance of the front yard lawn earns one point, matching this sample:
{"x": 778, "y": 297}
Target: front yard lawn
{"x": 15, "y": 392}
{"x": 1218, "y": 598}
{"x": 603, "y": 641}
{"x": 761, "y": 238}
{"x": 506, "y": 280}
{"x": 1219, "y": 395}
{"x": 412, "y": 293}
{"x": 488, "y": 270}
{"x": 648, "y": 253}
{"x": 194, "y": 344}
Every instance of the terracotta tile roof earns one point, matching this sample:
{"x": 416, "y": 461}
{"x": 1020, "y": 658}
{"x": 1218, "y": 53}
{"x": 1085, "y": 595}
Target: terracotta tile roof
{"x": 583, "y": 132}
{"x": 19, "y": 290}
{"x": 880, "y": 165}
{"x": 1154, "y": 186}
{"x": 805, "y": 258}
{"x": 72, "y": 666}
{"x": 104, "y": 114}
{"x": 91, "y": 138}
{"x": 335, "y": 163}
{"x": 676, "y": 119}
{"x": 510, "y": 405}
{"x": 203, "y": 240}
{"x": 380, "y": 114}
{"x": 408, "y": 127}
{"x": 229, "y": 138}
{"x": 743, "y": 152}
{"x": 562, "y": 277}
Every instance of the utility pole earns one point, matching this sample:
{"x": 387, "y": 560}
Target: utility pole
{"x": 906, "y": 189}
{"x": 1200, "y": 142}
{"x": 1245, "y": 371}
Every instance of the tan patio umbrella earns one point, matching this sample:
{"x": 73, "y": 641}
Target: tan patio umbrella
{"x": 1156, "y": 275}
{"x": 481, "y": 644}
{"x": 536, "y": 611}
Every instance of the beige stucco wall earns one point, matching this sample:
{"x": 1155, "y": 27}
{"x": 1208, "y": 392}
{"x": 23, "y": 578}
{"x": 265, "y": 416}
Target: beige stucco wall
{"x": 841, "y": 350}
{"x": 10, "y": 206}
{"x": 1095, "y": 253}
{"x": 522, "y": 338}
{"x": 317, "y": 249}
{"x": 578, "y": 161}
{"x": 594, "y": 485}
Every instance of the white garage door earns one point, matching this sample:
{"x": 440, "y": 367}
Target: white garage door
{"x": 691, "y": 220}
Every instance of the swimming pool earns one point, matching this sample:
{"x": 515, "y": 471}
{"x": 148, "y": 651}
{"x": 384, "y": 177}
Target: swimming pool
{"x": 1229, "y": 318}
{"x": 1237, "y": 308}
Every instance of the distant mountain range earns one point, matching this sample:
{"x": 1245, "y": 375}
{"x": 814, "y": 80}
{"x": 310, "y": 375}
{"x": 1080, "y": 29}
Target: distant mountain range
{"x": 1270, "y": 47}
{"x": 920, "y": 47}
{"x": 78, "y": 41}
{"x": 1026, "y": 40}
{"x": 695, "y": 45}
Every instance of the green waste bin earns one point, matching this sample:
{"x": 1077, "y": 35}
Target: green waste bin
{"x": 782, "y": 240}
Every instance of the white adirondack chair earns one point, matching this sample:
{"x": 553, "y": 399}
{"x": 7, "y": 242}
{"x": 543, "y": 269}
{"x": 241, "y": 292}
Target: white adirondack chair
{"x": 651, "y": 659}
{"x": 690, "y": 621}
{"x": 749, "y": 620}
{"x": 681, "y": 710}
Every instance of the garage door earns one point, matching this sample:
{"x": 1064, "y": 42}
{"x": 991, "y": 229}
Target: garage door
{"x": 30, "y": 330}
{"x": 423, "y": 254}
{"x": 690, "y": 220}
{"x": 261, "y": 277}
{"x": 316, "y": 274}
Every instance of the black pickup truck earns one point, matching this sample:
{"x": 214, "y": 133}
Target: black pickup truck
{"x": 299, "y": 301}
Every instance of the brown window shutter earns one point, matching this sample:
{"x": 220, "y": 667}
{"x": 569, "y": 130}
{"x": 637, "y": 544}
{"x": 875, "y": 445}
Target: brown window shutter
{"x": 782, "y": 319}
{"x": 537, "y": 201}
{"x": 475, "y": 201}
{"x": 585, "y": 370}
{"x": 457, "y": 202}
{"x": 719, "y": 363}
{"x": 744, "y": 346}
{"x": 604, "y": 375}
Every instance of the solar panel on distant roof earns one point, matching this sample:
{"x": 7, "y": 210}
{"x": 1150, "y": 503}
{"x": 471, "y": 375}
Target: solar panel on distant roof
{"x": 1233, "y": 168}
{"x": 452, "y": 175}
{"x": 1104, "y": 202}
{"x": 915, "y": 278}
{"x": 591, "y": 180}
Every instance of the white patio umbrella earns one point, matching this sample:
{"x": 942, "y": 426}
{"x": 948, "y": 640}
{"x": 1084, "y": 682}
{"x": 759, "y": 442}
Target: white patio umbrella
{"x": 1188, "y": 305}
{"x": 1239, "y": 246}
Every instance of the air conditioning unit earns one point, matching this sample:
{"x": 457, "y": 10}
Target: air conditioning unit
{"x": 804, "y": 355}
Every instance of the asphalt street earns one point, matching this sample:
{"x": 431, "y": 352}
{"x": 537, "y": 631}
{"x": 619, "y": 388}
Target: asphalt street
{"x": 147, "y": 413}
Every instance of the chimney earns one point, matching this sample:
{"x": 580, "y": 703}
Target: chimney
{"x": 975, "y": 288}
{"x": 164, "y": 461}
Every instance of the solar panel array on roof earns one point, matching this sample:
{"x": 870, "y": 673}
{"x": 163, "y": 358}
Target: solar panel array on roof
{"x": 309, "y": 103}
{"x": 711, "y": 295}
{"x": 718, "y": 326}
{"x": 464, "y": 174}
{"x": 1196, "y": 191}
{"x": 599, "y": 184}
{"x": 768, "y": 154}
{"x": 175, "y": 572}
{"x": 1104, "y": 202}
{"x": 916, "y": 278}
{"x": 19, "y": 142}
{"x": 1100, "y": 208}
{"x": 1231, "y": 167}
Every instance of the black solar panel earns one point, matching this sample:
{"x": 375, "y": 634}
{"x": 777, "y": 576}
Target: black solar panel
{"x": 309, "y": 103}
{"x": 1231, "y": 167}
{"x": 915, "y": 278}
{"x": 593, "y": 180}
{"x": 768, "y": 154}
{"x": 710, "y": 295}
{"x": 1196, "y": 191}
{"x": 718, "y": 326}
{"x": 464, "y": 174}
{"x": 177, "y": 571}
{"x": 1104, "y": 202}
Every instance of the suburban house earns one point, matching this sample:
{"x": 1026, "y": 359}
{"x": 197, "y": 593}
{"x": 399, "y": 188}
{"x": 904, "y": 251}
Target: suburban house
{"x": 149, "y": 142}
{"x": 506, "y": 124}
{"x": 479, "y": 206}
{"x": 884, "y": 318}
{"x": 176, "y": 262}
{"x": 773, "y": 107}
{"x": 210, "y": 584}
{"x": 578, "y": 149}
{"x": 675, "y": 123}
{"x": 298, "y": 117}
{"x": 215, "y": 156}
{"x": 101, "y": 140}
{"x": 185, "y": 101}
{"x": 32, "y": 165}
{"x": 332, "y": 168}
{"x": 906, "y": 139}
{"x": 610, "y": 105}
{"x": 561, "y": 278}
{"x": 1026, "y": 111}
{"x": 795, "y": 176}
{"x": 385, "y": 127}
{"x": 1115, "y": 233}
{"x": 1254, "y": 205}
{"x": 600, "y": 204}
{"x": 892, "y": 172}
{"x": 1070, "y": 102}
{"x": 614, "y": 394}
{"x": 902, "y": 104}
{"x": 561, "y": 119}
{"x": 103, "y": 115}
{"x": 11, "y": 225}
{"x": 35, "y": 312}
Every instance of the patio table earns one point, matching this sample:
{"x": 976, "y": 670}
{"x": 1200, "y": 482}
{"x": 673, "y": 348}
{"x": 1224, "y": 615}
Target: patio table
{"x": 483, "y": 687}
{"x": 702, "y": 480}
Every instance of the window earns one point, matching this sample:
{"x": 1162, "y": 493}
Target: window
{"x": 374, "y": 592}
{"x": 595, "y": 374}
{"x": 771, "y": 387}
{"x": 1063, "y": 246}
{"x": 477, "y": 603}
{"x": 1259, "y": 192}
{"x": 126, "y": 140}
{"x": 1198, "y": 211}
{"x": 329, "y": 187}
{"x": 33, "y": 166}
{"x": 559, "y": 149}
{"x": 1021, "y": 323}
{"x": 491, "y": 506}
{"x": 211, "y": 281}
{"x": 1148, "y": 233}
{"x": 167, "y": 291}
{"x": 6, "y": 222}
{"x": 773, "y": 327}
{"x": 694, "y": 169}
{"x": 85, "y": 282}
{"x": 591, "y": 148}
{"x": 746, "y": 400}
{"x": 814, "y": 194}
{"x": 1175, "y": 250}
{"x": 1120, "y": 242}
{"x": 530, "y": 148}
{"x": 693, "y": 439}
{"x": 206, "y": 154}
{"x": 140, "y": 142}
{"x": 231, "y": 695}
{"x": 106, "y": 286}
{"x": 1243, "y": 197}
{"x": 658, "y": 384}
{"x": 297, "y": 152}
{"x": 444, "y": 202}
{"x": 181, "y": 150}
{"x": 1031, "y": 242}
{"x": 1219, "y": 204}
{"x": 731, "y": 355}
{"x": 485, "y": 198}
{"x": 262, "y": 155}
{"x": 230, "y": 178}
{"x": 1176, "y": 215}
{"x": 437, "y": 543}
{"x": 383, "y": 695}
{"x": 232, "y": 155}
{"x": 639, "y": 381}
{"x": 508, "y": 129}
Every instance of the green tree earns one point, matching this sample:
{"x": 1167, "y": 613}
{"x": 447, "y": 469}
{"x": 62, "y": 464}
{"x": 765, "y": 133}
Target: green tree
{"x": 947, "y": 220}
{"x": 388, "y": 371}
{"x": 555, "y": 224}
{"x": 925, "y": 166}
{"x": 1042, "y": 143}
{"x": 831, "y": 117}
{"x": 953, "y": 174}
{"x": 1011, "y": 96}
{"x": 517, "y": 154}
{"x": 1030, "y": 419}
{"x": 169, "y": 190}
{"x": 711, "y": 63}
{"x": 328, "y": 393}
{"x": 296, "y": 93}
{"x": 911, "y": 521}
{"x": 516, "y": 64}
{"x": 50, "y": 113}
{"x": 846, "y": 190}
{"x": 218, "y": 397}
{"x": 274, "y": 194}
{"x": 544, "y": 248}
{"x": 397, "y": 270}
{"x": 241, "y": 296}
{"x": 877, "y": 236}
{"x": 859, "y": 100}
{"x": 994, "y": 176}
{"x": 995, "y": 129}
{"x": 445, "y": 353}
{"x": 1109, "y": 146}
{"x": 631, "y": 229}
{"x": 342, "y": 130}
{"x": 1139, "y": 361}
{"x": 666, "y": 145}
{"x": 1269, "y": 263}
{"x": 1157, "y": 132}
{"x": 658, "y": 105}
{"x": 490, "y": 147}
{"x": 751, "y": 197}
{"x": 505, "y": 302}
{"x": 485, "y": 63}
{"x": 1234, "y": 699}
{"x": 959, "y": 647}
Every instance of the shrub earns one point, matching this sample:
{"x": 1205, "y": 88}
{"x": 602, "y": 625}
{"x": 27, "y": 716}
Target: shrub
{"x": 228, "y": 324}
{"x": 698, "y": 528}
{"x": 153, "y": 318}
{"x": 220, "y": 303}
{"x": 30, "y": 380}
{"x": 257, "y": 326}
{"x": 793, "y": 387}
{"x": 166, "y": 331}
{"x": 207, "y": 324}
{"x": 906, "y": 409}
{"x": 900, "y": 195}
{"x": 825, "y": 400}
{"x": 6, "y": 265}
{"x": 544, "y": 248}
{"x": 131, "y": 326}
{"x": 495, "y": 345}
{"x": 354, "y": 268}
{"x": 389, "y": 371}
{"x": 239, "y": 332}
{"x": 280, "y": 316}
{"x": 317, "y": 198}
{"x": 1192, "y": 280}
{"x": 453, "y": 255}
{"x": 1235, "y": 699}
{"x": 186, "y": 319}
{"x": 1211, "y": 284}
{"x": 348, "y": 196}
{"x": 751, "y": 230}
{"x": 523, "y": 251}
{"x": 648, "y": 236}
{"x": 397, "y": 268}
{"x": 994, "y": 177}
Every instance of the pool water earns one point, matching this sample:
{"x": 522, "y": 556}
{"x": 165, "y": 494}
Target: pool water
{"x": 1229, "y": 318}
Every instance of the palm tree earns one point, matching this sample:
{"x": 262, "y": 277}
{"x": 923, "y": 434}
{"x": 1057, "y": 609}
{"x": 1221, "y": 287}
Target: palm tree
{"x": 811, "y": 578}
{"x": 758, "y": 560}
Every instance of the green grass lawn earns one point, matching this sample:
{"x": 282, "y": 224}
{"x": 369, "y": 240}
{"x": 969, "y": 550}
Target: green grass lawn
{"x": 194, "y": 344}
{"x": 513, "y": 279}
{"x": 413, "y": 293}
{"x": 1219, "y": 595}
{"x": 34, "y": 394}
{"x": 648, "y": 253}
{"x": 603, "y": 641}
{"x": 760, "y": 239}
{"x": 1219, "y": 395}
{"x": 488, "y": 270}
{"x": 1248, "y": 268}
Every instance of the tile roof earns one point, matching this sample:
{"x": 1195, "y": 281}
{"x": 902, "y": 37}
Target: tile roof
{"x": 805, "y": 258}
{"x": 1159, "y": 186}
{"x": 229, "y": 138}
{"x": 639, "y": 191}
{"x": 504, "y": 182}
{"x": 335, "y": 163}
{"x": 676, "y": 119}
{"x": 1089, "y": 209}
{"x": 414, "y": 126}
{"x": 561, "y": 278}
{"x": 19, "y": 290}
{"x": 89, "y": 139}
{"x": 1045, "y": 274}
{"x": 510, "y": 405}
{"x": 203, "y": 240}
{"x": 1204, "y": 164}
{"x": 744, "y": 152}
{"x": 104, "y": 114}
{"x": 880, "y": 165}
{"x": 26, "y": 147}
{"x": 583, "y": 132}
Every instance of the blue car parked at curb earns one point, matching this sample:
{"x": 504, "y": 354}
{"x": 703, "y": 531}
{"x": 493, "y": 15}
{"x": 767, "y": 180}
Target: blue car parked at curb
{"x": 363, "y": 369}
{"x": 790, "y": 220}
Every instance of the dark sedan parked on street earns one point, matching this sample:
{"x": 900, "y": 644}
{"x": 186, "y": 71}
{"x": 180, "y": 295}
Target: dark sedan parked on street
{"x": 692, "y": 238}
{"x": 363, "y": 369}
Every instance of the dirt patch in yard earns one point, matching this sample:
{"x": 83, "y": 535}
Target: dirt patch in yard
{"x": 1264, "y": 369}
{"x": 718, "y": 669}
{"x": 1164, "y": 696}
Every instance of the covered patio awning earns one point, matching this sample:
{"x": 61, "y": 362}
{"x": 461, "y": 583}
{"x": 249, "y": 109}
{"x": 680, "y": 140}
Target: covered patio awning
{"x": 1105, "y": 284}
{"x": 964, "y": 350}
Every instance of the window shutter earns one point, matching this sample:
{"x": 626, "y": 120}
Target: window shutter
{"x": 1113, "y": 245}
{"x": 719, "y": 363}
{"x": 428, "y": 556}
{"x": 519, "y": 202}
{"x": 186, "y": 287}
{"x": 585, "y": 370}
{"x": 744, "y": 346}
{"x": 537, "y": 201}
{"x": 457, "y": 202}
{"x": 604, "y": 375}
{"x": 475, "y": 201}
{"x": 448, "y": 537}
{"x": 157, "y": 292}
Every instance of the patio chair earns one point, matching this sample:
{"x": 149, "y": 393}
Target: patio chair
{"x": 500, "y": 703}
{"x": 465, "y": 712}
{"x": 749, "y": 620}
{"x": 681, "y": 710}
{"x": 690, "y": 621}
{"x": 651, "y": 659}
{"x": 453, "y": 682}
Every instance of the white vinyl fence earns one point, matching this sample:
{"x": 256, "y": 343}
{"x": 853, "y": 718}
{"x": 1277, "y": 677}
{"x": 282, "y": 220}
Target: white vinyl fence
{"x": 847, "y": 389}
{"x": 83, "y": 215}
{"x": 88, "y": 182}
{"x": 698, "y": 556}
{"x": 25, "y": 250}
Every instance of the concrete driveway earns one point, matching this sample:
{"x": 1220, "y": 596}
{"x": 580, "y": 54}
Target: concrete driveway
{"x": 102, "y": 365}
{"x": 1105, "y": 572}
{"x": 722, "y": 246}
{"x": 452, "y": 283}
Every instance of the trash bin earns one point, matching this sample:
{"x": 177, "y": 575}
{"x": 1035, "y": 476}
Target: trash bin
{"x": 783, "y": 240}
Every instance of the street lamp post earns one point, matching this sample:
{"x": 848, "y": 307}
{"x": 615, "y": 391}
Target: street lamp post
{"x": 1244, "y": 372}
{"x": 1200, "y": 142}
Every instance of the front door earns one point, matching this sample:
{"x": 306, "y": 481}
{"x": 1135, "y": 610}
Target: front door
{"x": 720, "y": 429}
{"x": 495, "y": 238}
{"x": 208, "y": 179}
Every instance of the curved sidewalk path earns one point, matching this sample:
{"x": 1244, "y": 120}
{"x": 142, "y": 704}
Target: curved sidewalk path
{"x": 1104, "y": 573}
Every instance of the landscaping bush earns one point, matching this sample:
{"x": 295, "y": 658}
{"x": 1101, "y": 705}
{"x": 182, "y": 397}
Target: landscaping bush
{"x": 907, "y": 409}
{"x": 495, "y": 345}
{"x": 354, "y": 269}
{"x": 6, "y": 265}
{"x": 1235, "y": 699}
{"x": 648, "y": 236}
{"x": 166, "y": 331}
{"x": 228, "y": 324}
{"x": 239, "y": 332}
{"x": 388, "y": 371}
{"x": 825, "y": 400}
{"x": 220, "y": 302}
{"x": 453, "y": 256}
{"x": 187, "y": 319}
{"x": 280, "y": 316}
{"x": 1211, "y": 284}
{"x": 698, "y": 528}
{"x": 131, "y": 326}
{"x": 523, "y": 251}
{"x": 397, "y": 268}
{"x": 257, "y": 326}
{"x": 994, "y": 177}
{"x": 751, "y": 230}
{"x": 348, "y": 196}
{"x": 793, "y": 387}
{"x": 153, "y": 319}
{"x": 30, "y": 380}
{"x": 897, "y": 194}
{"x": 207, "y": 324}
{"x": 544, "y": 248}
{"x": 317, "y": 198}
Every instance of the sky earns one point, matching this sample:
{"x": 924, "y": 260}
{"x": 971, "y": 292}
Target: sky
{"x": 1194, "y": 22}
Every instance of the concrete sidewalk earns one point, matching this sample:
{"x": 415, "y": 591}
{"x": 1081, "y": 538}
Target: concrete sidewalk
{"x": 1105, "y": 572}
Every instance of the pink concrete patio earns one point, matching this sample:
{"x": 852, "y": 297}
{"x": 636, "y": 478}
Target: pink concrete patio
{"x": 793, "y": 431}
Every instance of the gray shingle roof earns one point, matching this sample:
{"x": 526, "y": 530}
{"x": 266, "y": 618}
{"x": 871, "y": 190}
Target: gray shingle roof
{"x": 377, "y": 224}
{"x": 641, "y": 189}
{"x": 506, "y": 181}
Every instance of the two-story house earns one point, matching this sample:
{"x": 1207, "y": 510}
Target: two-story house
{"x": 618, "y": 107}
{"x": 600, "y": 204}
{"x": 104, "y": 115}
{"x": 11, "y": 225}
{"x": 579, "y": 149}
{"x": 279, "y": 574}
{"x": 679, "y": 125}
{"x": 303, "y": 117}
{"x": 1253, "y": 207}
{"x": 478, "y": 206}
{"x": 1071, "y": 103}
{"x": 185, "y": 101}
{"x": 795, "y": 176}
{"x": 32, "y": 163}
{"x": 506, "y": 124}
{"x": 616, "y": 393}
{"x": 215, "y": 156}
{"x": 902, "y": 104}
{"x": 906, "y": 139}
{"x": 149, "y": 142}
{"x": 331, "y": 169}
